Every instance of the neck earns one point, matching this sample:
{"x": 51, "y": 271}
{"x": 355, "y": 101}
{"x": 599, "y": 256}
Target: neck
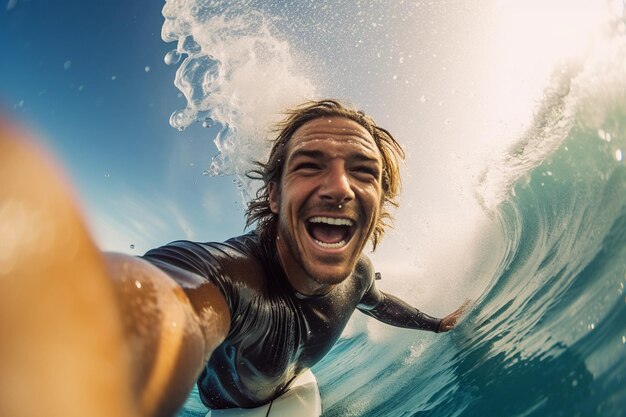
{"x": 298, "y": 278}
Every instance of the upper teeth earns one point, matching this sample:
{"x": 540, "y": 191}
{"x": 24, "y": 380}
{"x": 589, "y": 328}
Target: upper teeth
{"x": 330, "y": 220}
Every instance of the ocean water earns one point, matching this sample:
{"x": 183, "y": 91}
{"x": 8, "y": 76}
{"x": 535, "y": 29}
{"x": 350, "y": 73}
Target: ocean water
{"x": 546, "y": 335}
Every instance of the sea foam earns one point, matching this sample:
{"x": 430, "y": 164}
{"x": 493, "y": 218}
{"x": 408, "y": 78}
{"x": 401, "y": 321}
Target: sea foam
{"x": 237, "y": 72}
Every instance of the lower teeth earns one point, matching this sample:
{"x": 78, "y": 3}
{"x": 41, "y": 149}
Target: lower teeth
{"x": 330, "y": 245}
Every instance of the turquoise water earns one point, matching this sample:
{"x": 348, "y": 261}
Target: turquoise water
{"x": 547, "y": 335}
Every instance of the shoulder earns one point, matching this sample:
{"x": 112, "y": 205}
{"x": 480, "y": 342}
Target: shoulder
{"x": 187, "y": 252}
{"x": 234, "y": 260}
{"x": 236, "y": 266}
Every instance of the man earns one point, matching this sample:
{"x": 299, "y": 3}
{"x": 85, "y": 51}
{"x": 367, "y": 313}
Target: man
{"x": 249, "y": 315}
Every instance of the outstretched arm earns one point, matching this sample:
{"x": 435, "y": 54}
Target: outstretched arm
{"x": 170, "y": 328}
{"x": 85, "y": 333}
{"x": 392, "y": 310}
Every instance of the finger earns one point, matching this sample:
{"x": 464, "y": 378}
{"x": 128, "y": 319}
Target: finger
{"x": 466, "y": 304}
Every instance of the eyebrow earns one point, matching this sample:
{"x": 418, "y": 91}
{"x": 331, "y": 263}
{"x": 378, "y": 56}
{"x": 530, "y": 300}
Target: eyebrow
{"x": 300, "y": 153}
{"x": 314, "y": 154}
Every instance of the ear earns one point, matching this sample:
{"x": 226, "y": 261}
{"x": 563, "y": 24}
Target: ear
{"x": 274, "y": 197}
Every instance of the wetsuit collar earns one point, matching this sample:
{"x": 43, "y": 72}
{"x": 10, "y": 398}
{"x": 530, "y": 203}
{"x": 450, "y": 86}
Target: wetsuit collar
{"x": 301, "y": 296}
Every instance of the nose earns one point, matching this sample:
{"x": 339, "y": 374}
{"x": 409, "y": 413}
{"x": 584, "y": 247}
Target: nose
{"x": 336, "y": 187}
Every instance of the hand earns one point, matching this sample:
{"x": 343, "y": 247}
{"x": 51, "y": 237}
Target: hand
{"x": 449, "y": 322}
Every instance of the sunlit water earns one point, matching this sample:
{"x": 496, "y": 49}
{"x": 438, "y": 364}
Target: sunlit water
{"x": 527, "y": 214}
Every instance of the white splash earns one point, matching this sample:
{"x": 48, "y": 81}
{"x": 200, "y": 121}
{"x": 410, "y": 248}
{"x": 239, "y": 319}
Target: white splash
{"x": 237, "y": 72}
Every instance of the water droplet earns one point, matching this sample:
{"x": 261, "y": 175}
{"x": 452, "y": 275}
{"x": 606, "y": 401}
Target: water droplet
{"x": 179, "y": 120}
{"x": 623, "y": 340}
{"x": 137, "y": 284}
{"x": 107, "y": 175}
{"x": 67, "y": 65}
{"x": 113, "y": 78}
{"x": 395, "y": 77}
{"x": 81, "y": 87}
{"x": 172, "y": 57}
{"x": 132, "y": 246}
{"x": 423, "y": 99}
{"x": 401, "y": 60}
{"x": 147, "y": 68}
{"x": 619, "y": 155}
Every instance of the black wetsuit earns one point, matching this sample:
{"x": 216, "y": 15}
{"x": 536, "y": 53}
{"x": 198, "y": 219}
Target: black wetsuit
{"x": 276, "y": 333}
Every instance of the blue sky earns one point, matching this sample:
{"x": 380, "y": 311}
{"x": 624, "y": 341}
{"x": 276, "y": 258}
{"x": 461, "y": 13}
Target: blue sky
{"x": 89, "y": 78}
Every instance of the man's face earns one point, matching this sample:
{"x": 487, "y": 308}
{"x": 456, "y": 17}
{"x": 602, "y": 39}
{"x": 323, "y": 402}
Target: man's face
{"x": 327, "y": 203}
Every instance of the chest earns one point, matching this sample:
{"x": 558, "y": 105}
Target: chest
{"x": 279, "y": 334}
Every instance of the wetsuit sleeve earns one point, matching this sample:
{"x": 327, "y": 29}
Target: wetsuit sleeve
{"x": 392, "y": 310}
{"x": 187, "y": 262}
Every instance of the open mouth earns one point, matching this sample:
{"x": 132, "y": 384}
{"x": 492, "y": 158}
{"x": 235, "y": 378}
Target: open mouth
{"x": 329, "y": 232}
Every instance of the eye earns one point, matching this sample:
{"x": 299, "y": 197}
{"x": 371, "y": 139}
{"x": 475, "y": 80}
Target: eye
{"x": 366, "y": 170}
{"x": 306, "y": 166}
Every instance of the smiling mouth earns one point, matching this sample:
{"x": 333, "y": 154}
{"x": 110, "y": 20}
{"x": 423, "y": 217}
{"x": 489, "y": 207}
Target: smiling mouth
{"x": 330, "y": 232}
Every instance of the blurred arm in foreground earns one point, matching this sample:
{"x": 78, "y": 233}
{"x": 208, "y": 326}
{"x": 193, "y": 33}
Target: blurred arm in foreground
{"x": 81, "y": 330}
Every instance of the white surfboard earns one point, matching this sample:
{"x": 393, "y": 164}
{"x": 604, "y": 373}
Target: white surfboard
{"x": 302, "y": 400}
